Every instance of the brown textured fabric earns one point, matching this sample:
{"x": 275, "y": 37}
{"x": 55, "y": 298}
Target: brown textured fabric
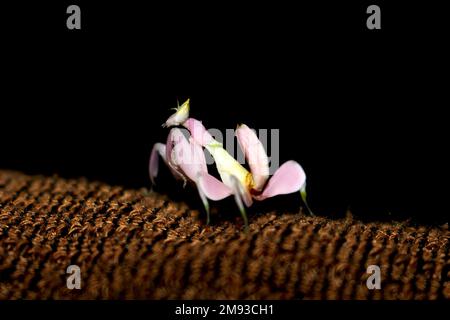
{"x": 136, "y": 244}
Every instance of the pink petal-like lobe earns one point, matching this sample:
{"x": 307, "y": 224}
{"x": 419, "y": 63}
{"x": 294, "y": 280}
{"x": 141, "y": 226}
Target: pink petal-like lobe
{"x": 255, "y": 154}
{"x": 212, "y": 187}
{"x": 289, "y": 178}
{"x": 198, "y": 131}
{"x": 186, "y": 155}
{"x": 174, "y": 137}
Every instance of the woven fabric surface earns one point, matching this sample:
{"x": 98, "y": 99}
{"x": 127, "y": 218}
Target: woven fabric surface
{"x": 136, "y": 244}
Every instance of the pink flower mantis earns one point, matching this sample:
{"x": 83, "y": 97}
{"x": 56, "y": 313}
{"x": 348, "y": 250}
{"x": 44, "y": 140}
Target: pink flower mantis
{"x": 186, "y": 160}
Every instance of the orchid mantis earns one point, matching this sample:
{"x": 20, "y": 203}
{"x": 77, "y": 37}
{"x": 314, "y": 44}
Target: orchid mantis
{"x": 185, "y": 158}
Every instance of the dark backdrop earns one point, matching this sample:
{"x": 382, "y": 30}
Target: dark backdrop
{"x": 362, "y": 111}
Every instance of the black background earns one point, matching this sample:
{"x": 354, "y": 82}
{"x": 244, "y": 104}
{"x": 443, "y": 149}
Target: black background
{"x": 362, "y": 110}
{"x": 165, "y": 309}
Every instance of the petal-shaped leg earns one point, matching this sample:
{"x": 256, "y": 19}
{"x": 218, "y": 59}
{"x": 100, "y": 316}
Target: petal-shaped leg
{"x": 159, "y": 149}
{"x": 173, "y": 138}
{"x": 187, "y": 156}
{"x": 289, "y": 178}
{"x": 199, "y": 132}
{"x": 212, "y": 187}
{"x": 255, "y": 154}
